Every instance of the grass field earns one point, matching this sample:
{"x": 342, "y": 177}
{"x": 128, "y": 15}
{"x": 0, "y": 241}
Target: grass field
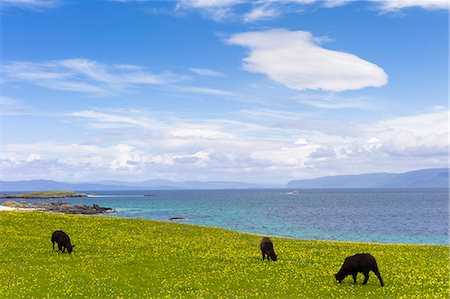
{"x": 135, "y": 258}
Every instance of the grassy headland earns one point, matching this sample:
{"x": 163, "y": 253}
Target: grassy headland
{"x": 136, "y": 258}
{"x": 44, "y": 195}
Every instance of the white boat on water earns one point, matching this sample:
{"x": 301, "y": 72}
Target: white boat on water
{"x": 295, "y": 192}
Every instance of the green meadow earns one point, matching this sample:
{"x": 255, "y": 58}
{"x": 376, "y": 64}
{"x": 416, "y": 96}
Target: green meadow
{"x": 136, "y": 258}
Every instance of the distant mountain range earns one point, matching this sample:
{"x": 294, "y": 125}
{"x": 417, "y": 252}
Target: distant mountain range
{"x": 425, "y": 178}
{"x": 45, "y": 185}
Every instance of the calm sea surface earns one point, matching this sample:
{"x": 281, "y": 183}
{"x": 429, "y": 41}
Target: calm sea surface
{"x": 419, "y": 216}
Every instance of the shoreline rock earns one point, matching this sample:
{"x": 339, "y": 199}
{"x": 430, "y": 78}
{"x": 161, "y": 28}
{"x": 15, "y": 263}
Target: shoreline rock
{"x": 27, "y": 196}
{"x": 178, "y": 218}
{"x": 59, "y": 207}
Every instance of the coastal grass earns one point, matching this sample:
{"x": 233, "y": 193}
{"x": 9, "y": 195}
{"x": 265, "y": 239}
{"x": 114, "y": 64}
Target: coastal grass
{"x": 137, "y": 258}
{"x": 51, "y": 193}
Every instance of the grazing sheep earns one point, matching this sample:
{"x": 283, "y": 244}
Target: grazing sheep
{"x": 362, "y": 262}
{"x": 63, "y": 241}
{"x": 266, "y": 246}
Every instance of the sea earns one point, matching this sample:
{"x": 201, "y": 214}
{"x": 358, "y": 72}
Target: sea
{"x": 407, "y": 216}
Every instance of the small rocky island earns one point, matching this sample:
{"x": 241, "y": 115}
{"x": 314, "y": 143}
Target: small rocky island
{"x": 59, "y": 207}
{"x": 43, "y": 195}
{"x": 178, "y": 218}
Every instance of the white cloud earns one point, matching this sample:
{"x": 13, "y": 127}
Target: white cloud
{"x": 260, "y": 12}
{"x": 33, "y": 157}
{"x": 167, "y": 146}
{"x": 433, "y": 122}
{"x": 204, "y": 90}
{"x": 336, "y": 3}
{"x": 421, "y": 137}
{"x": 114, "y": 120}
{"x": 83, "y": 75}
{"x": 206, "y": 72}
{"x": 92, "y": 77}
{"x": 417, "y": 135}
{"x": 336, "y": 103}
{"x": 10, "y": 107}
{"x": 323, "y": 153}
{"x": 217, "y": 10}
{"x": 298, "y": 62}
{"x": 30, "y": 4}
{"x": 220, "y": 10}
{"x": 292, "y": 156}
{"x": 406, "y": 143}
{"x": 199, "y": 159}
{"x": 251, "y": 11}
{"x": 209, "y": 3}
{"x": 395, "y": 5}
{"x": 199, "y": 131}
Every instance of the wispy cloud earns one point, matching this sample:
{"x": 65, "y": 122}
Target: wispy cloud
{"x": 92, "y": 77}
{"x": 261, "y": 12}
{"x": 114, "y": 120}
{"x": 298, "y": 62}
{"x": 332, "y": 101}
{"x": 210, "y": 3}
{"x": 30, "y": 4}
{"x": 10, "y": 107}
{"x": 396, "y": 5}
{"x": 252, "y": 11}
{"x": 83, "y": 75}
{"x": 205, "y": 90}
{"x": 217, "y": 10}
{"x": 206, "y": 72}
{"x": 336, "y": 3}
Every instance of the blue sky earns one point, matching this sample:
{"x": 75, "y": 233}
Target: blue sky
{"x": 258, "y": 91}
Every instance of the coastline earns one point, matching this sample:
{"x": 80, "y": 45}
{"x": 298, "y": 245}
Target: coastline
{"x": 239, "y": 210}
{"x": 3, "y": 208}
{"x": 43, "y": 195}
{"x": 169, "y": 221}
{"x": 56, "y": 207}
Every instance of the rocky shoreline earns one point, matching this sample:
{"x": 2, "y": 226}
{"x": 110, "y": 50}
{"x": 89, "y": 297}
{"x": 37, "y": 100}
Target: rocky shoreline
{"x": 59, "y": 207}
{"x": 32, "y": 196}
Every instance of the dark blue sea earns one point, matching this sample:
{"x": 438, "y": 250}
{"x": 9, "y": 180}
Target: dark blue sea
{"x": 415, "y": 216}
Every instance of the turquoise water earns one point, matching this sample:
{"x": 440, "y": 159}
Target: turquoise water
{"x": 419, "y": 216}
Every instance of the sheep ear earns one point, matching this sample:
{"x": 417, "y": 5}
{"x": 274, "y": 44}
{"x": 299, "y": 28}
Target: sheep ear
{"x": 73, "y": 246}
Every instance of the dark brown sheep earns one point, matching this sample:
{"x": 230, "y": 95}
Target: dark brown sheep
{"x": 63, "y": 241}
{"x": 362, "y": 262}
{"x": 266, "y": 246}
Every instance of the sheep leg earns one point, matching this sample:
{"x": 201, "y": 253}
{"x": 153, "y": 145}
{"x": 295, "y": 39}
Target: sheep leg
{"x": 354, "y": 274}
{"x": 366, "y": 277}
{"x": 377, "y": 273}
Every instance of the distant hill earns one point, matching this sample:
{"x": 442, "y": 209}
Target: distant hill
{"x": 45, "y": 185}
{"x": 425, "y": 178}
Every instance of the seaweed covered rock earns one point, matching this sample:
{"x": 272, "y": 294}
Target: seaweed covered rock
{"x": 60, "y": 207}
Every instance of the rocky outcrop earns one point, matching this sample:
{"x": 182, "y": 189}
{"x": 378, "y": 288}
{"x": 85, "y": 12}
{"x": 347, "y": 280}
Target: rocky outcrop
{"x": 43, "y": 195}
{"x": 178, "y": 218}
{"x": 60, "y": 207}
